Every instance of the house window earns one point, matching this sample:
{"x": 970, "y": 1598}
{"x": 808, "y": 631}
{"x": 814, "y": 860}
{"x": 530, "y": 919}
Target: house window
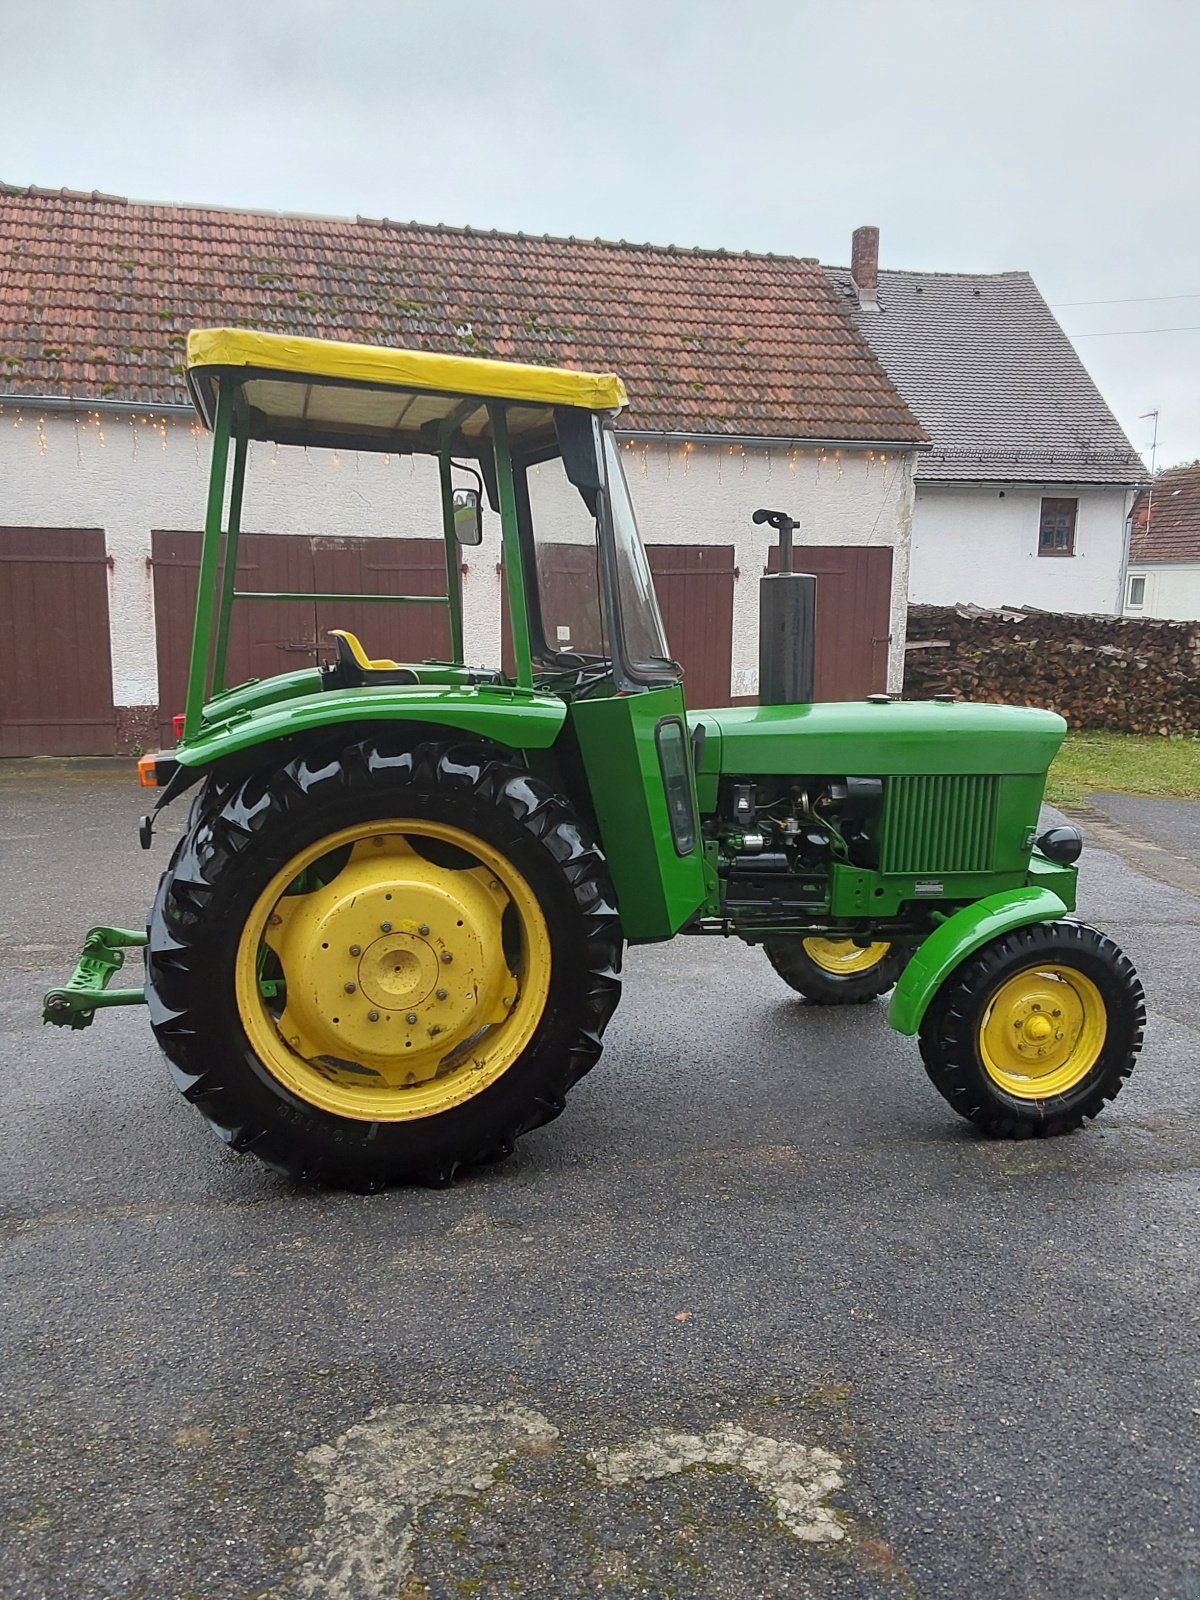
{"x": 1137, "y": 592}
{"x": 1056, "y": 532}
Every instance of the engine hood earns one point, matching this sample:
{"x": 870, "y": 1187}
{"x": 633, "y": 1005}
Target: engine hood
{"x": 878, "y": 740}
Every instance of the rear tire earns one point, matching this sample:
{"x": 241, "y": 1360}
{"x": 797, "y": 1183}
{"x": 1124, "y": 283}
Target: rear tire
{"x": 290, "y": 1109}
{"x": 1035, "y": 1031}
{"x": 836, "y": 972}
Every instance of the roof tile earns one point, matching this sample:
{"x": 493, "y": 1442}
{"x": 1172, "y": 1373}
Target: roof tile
{"x": 1168, "y": 529}
{"x": 982, "y": 361}
{"x": 97, "y": 296}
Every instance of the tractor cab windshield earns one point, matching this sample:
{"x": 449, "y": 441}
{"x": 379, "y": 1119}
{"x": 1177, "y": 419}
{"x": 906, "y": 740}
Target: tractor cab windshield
{"x": 592, "y": 606}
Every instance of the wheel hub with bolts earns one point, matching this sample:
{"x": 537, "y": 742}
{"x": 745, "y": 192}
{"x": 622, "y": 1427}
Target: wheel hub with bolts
{"x": 1042, "y": 1032}
{"x": 396, "y": 976}
{"x": 393, "y": 963}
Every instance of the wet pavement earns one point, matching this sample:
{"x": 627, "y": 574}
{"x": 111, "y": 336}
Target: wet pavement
{"x": 1172, "y": 824}
{"x": 758, "y": 1316}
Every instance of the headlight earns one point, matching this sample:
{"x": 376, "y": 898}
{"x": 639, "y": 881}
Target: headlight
{"x": 1061, "y": 844}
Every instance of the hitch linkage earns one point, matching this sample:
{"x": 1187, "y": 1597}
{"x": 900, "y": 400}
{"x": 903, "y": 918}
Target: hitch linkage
{"x": 76, "y": 1002}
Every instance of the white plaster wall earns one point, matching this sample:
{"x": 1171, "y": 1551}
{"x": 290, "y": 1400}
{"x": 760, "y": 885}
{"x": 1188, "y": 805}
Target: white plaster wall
{"x": 706, "y": 494}
{"x": 131, "y": 475}
{"x": 979, "y": 545}
{"x": 1172, "y": 590}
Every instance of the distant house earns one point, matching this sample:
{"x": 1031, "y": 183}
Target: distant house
{"x": 1025, "y": 496}
{"x": 1164, "y": 548}
{"x": 750, "y": 385}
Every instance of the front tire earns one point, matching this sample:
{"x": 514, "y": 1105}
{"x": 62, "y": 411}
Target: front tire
{"x": 836, "y": 972}
{"x": 1035, "y": 1031}
{"x": 375, "y": 964}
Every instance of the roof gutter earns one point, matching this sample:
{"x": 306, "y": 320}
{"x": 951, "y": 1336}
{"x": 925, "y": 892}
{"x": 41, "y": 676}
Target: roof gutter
{"x": 71, "y": 403}
{"x": 82, "y": 405}
{"x": 797, "y": 442}
{"x": 1075, "y": 481}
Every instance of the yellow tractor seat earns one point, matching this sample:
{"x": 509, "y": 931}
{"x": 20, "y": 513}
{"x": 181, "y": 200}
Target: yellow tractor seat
{"x": 354, "y": 668}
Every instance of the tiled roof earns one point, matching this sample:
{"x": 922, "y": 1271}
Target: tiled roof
{"x": 982, "y": 361}
{"x": 1169, "y": 528}
{"x": 97, "y": 295}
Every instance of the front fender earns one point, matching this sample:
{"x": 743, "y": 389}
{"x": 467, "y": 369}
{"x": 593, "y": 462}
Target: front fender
{"x": 522, "y": 719}
{"x": 957, "y": 938}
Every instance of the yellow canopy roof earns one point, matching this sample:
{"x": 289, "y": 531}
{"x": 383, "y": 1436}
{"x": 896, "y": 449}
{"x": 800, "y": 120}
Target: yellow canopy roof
{"x": 321, "y": 391}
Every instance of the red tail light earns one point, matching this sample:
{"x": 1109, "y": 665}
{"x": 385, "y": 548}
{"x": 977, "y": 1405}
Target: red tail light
{"x": 177, "y": 724}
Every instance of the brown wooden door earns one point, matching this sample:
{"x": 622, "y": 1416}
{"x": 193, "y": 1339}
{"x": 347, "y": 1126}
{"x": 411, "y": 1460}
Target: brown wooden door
{"x": 383, "y": 566}
{"x": 271, "y": 636}
{"x": 694, "y": 584}
{"x": 56, "y": 694}
{"x": 265, "y": 636}
{"x": 568, "y": 587}
{"x": 854, "y": 600}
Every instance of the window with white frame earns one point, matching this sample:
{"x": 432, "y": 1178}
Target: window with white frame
{"x": 1135, "y": 596}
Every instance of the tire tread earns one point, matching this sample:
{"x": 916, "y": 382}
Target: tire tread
{"x": 246, "y": 819}
{"x": 948, "y": 1044}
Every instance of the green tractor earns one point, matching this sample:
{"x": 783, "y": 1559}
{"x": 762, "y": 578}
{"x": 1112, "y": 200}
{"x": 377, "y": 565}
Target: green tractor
{"x": 389, "y": 940}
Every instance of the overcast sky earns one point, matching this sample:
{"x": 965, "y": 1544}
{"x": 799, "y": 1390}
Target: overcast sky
{"x": 1061, "y": 136}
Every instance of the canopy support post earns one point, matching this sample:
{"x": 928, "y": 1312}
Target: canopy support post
{"x": 453, "y": 572}
{"x": 209, "y": 551}
{"x": 518, "y": 615}
{"x": 229, "y": 570}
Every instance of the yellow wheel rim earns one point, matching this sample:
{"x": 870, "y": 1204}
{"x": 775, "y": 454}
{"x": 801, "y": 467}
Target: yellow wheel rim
{"x": 385, "y": 977}
{"x": 843, "y": 957}
{"x": 1042, "y": 1032}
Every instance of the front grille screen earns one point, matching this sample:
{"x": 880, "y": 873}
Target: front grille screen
{"x": 939, "y": 824}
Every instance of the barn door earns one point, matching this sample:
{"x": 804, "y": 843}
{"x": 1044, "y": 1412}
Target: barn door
{"x": 567, "y": 589}
{"x": 854, "y": 600}
{"x": 271, "y": 636}
{"x": 56, "y": 694}
{"x": 694, "y": 584}
{"x": 265, "y": 636}
{"x": 383, "y": 566}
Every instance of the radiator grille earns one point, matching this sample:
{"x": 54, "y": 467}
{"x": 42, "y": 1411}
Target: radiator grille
{"x": 939, "y": 824}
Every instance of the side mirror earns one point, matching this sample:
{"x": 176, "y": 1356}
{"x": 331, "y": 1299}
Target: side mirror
{"x": 468, "y": 516}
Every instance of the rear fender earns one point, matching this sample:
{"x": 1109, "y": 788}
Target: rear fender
{"x": 957, "y": 938}
{"x": 518, "y": 719}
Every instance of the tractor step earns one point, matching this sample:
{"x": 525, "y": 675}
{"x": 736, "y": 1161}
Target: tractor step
{"x": 103, "y": 955}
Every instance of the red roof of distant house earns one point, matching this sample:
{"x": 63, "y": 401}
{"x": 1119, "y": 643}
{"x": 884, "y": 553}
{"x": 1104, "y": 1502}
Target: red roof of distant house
{"x": 97, "y": 295}
{"x": 1168, "y": 528}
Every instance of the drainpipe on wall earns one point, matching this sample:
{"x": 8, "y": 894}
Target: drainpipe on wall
{"x": 1121, "y": 604}
{"x": 1131, "y": 499}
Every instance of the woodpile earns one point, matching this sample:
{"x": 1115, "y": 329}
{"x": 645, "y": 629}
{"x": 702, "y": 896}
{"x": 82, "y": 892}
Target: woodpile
{"x": 1128, "y": 674}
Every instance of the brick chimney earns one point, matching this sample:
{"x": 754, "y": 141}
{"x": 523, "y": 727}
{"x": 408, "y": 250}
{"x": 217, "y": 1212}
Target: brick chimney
{"x": 864, "y": 266}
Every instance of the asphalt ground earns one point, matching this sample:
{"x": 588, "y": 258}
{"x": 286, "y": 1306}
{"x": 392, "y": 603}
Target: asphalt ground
{"x": 1174, "y": 825}
{"x": 758, "y": 1316}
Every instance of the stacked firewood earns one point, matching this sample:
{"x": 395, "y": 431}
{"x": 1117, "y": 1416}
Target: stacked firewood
{"x": 1130, "y": 674}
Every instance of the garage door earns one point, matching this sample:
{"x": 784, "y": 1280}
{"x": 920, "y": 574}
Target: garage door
{"x": 694, "y": 584}
{"x": 55, "y": 663}
{"x": 270, "y": 636}
{"x": 854, "y": 598}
